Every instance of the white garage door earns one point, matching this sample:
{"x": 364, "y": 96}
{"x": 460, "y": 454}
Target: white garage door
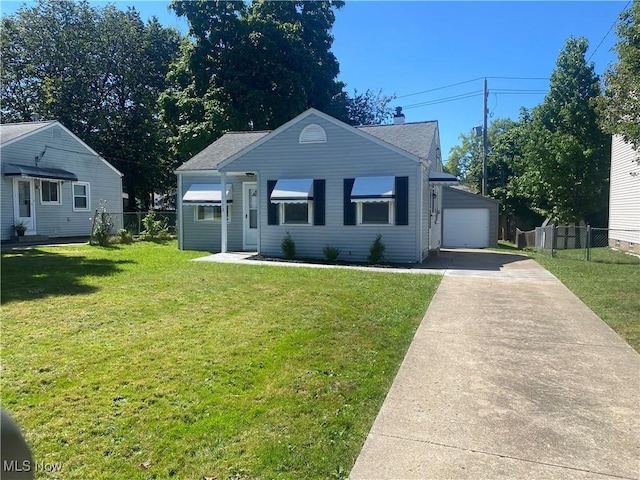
{"x": 466, "y": 227}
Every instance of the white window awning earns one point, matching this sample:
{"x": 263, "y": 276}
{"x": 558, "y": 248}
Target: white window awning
{"x": 442, "y": 178}
{"x": 297, "y": 190}
{"x": 373, "y": 189}
{"x": 206, "y": 194}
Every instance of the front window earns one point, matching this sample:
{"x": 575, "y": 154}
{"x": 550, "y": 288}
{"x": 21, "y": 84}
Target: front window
{"x": 81, "y": 196}
{"x": 296, "y": 213}
{"x": 375, "y": 213}
{"x": 49, "y": 192}
{"x": 210, "y": 213}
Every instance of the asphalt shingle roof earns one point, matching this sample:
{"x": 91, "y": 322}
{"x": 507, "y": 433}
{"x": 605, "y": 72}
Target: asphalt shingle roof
{"x": 415, "y": 138}
{"x": 225, "y": 147}
{"x": 9, "y": 131}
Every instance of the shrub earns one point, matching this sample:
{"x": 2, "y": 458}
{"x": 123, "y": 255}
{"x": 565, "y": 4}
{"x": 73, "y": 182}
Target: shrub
{"x": 288, "y": 247}
{"x": 154, "y": 229}
{"x": 376, "y": 252}
{"x": 102, "y": 226}
{"x": 331, "y": 253}
{"x": 125, "y": 236}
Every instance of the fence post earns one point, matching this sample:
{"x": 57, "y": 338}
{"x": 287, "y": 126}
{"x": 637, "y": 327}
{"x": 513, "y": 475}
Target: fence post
{"x": 588, "y": 242}
{"x": 554, "y": 236}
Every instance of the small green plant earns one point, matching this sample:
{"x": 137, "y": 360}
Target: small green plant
{"x": 20, "y": 227}
{"x": 376, "y": 252}
{"x": 331, "y": 253}
{"x": 288, "y": 247}
{"x": 154, "y": 229}
{"x": 125, "y": 236}
{"x": 102, "y": 226}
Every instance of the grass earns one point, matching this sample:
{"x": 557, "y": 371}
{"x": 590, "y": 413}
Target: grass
{"x": 609, "y": 284}
{"x": 133, "y": 362}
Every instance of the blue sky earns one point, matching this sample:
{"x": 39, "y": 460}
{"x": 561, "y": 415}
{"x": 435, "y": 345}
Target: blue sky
{"x": 405, "y": 48}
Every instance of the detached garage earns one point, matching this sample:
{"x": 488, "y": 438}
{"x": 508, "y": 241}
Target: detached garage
{"x": 469, "y": 220}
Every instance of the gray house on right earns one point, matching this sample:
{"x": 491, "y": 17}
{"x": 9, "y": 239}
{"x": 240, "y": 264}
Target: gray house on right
{"x": 469, "y": 220}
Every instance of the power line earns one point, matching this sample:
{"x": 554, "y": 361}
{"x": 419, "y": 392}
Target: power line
{"x": 608, "y": 31}
{"x": 469, "y": 81}
{"x": 462, "y": 96}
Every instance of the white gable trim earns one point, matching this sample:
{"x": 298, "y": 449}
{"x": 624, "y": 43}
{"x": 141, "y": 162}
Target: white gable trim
{"x": 312, "y": 111}
{"x": 75, "y": 137}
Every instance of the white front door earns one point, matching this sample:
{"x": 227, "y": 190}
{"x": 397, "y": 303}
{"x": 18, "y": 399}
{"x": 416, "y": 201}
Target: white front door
{"x": 24, "y": 203}
{"x": 250, "y": 215}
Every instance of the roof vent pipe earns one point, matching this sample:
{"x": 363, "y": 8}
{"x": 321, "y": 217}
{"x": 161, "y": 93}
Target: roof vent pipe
{"x": 398, "y": 117}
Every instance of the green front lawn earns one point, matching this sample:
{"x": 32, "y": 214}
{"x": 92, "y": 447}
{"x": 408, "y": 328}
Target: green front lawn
{"x": 609, "y": 285}
{"x": 132, "y": 362}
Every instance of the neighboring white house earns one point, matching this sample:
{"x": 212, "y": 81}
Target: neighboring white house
{"x": 624, "y": 198}
{"x": 53, "y": 182}
{"x": 323, "y": 182}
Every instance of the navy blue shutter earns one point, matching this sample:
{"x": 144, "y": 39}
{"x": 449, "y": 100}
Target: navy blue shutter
{"x": 402, "y": 200}
{"x": 318, "y": 202}
{"x": 272, "y": 208}
{"x": 348, "y": 206}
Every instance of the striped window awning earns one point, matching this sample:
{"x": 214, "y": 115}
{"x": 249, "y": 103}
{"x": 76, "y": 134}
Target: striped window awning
{"x": 297, "y": 190}
{"x": 442, "y": 178}
{"x": 206, "y": 194}
{"x": 373, "y": 189}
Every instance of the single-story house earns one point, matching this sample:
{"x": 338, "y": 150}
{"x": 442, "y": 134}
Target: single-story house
{"x": 469, "y": 220}
{"x": 323, "y": 182}
{"x": 624, "y": 196}
{"x": 53, "y": 182}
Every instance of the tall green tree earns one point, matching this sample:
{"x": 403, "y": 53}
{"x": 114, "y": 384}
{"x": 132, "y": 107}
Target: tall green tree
{"x": 251, "y": 65}
{"x": 100, "y": 72}
{"x": 619, "y": 107}
{"x": 505, "y": 138}
{"x": 564, "y": 167}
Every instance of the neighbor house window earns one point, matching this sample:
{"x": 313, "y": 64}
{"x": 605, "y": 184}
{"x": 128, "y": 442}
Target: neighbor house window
{"x": 81, "y": 199}
{"x": 211, "y": 213}
{"x": 49, "y": 192}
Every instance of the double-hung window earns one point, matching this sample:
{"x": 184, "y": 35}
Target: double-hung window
{"x": 81, "y": 197}
{"x": 50, "y": 192}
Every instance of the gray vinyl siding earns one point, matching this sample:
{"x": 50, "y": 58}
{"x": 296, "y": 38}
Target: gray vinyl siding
{"x": 624, "y": 197}
{"x": 346, "y": 154}
{"x": 68, "y": 153}
{"x": 455, "y": 198}
{"x": 206, "y": 235}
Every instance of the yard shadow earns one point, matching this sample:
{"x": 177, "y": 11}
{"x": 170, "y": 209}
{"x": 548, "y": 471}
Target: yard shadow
{"x": 33, "y": 274}
{"x": 469, "y": 259}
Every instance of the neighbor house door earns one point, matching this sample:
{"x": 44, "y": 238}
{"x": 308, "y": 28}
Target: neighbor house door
{"x": 24, "y": 203}
{"x": 250, "y": 215}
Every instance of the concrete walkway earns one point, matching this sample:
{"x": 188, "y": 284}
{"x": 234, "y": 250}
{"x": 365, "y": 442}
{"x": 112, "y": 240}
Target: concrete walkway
{"x": 509, "y": 376}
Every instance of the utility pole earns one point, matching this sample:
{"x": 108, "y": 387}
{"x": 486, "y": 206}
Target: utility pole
{"x": 485, "y": 142}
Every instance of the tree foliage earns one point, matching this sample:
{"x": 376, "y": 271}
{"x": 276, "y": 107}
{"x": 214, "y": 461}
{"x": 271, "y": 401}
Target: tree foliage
{"x": 99, "y": 71}
{"x": 564, "y": 166}
{"x": 252, "y": 65}
{"x": 619, "y": 107}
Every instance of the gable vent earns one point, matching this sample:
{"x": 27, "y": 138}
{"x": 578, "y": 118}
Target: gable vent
{"x": 313, "y": 133}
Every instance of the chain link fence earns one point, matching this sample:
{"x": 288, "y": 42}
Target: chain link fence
{"x": 585, "y": 243}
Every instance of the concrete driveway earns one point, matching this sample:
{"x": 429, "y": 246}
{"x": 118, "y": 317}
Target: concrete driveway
{"x": 509, "y": 376}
